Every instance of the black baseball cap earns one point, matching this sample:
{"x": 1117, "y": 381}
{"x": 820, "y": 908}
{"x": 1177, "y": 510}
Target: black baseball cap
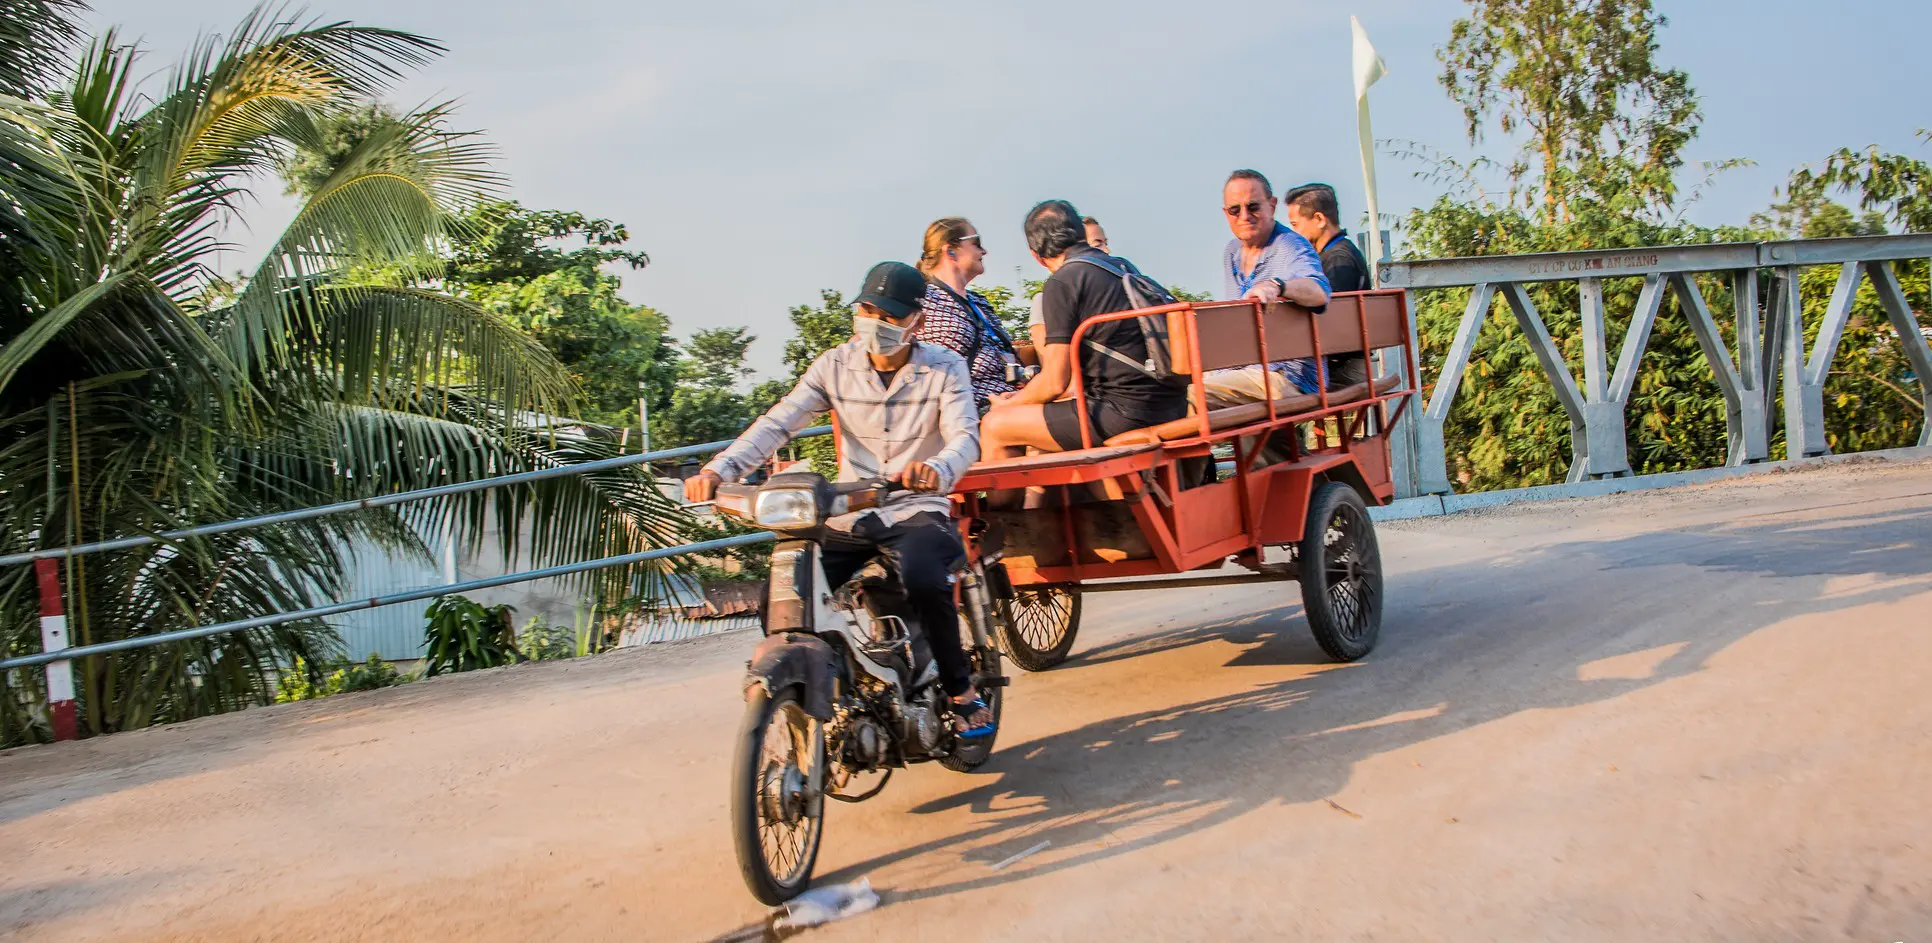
{"x": 893, "y": 287}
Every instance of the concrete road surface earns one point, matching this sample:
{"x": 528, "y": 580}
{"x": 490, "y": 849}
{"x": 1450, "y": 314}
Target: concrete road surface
{"x": 1701, "y": 714}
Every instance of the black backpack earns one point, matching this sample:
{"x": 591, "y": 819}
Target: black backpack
{"x": 1142, "y": 292}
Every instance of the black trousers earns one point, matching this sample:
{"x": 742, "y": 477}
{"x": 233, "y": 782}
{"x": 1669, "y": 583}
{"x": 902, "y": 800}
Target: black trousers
{"x": 924, "y": 549}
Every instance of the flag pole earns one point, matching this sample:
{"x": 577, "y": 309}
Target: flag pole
{"x": 1368, "y": 69}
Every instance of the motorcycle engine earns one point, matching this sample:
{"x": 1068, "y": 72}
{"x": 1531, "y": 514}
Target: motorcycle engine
{"x": 922, "y": 725}
{"x": 866, "y": 743}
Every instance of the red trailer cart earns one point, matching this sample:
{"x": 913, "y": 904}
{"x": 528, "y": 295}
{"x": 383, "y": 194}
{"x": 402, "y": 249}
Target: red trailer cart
{"x": 1221, "y": 484}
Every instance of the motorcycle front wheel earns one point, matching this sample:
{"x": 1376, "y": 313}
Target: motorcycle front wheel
{"x": 777, "y": 795}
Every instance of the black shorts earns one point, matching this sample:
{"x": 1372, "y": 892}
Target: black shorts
{"x": 1063, "y": 420}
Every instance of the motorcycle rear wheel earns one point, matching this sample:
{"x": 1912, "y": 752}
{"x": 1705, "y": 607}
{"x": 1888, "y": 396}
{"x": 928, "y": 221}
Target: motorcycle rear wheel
{"x": 1040, "y": 625}
{"x": 777, "y": 795}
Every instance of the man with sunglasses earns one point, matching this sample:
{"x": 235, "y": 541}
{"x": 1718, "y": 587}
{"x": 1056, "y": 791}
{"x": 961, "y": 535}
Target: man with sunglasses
{"x": 905, "y": 412}
{"x": 1271, "y": 262}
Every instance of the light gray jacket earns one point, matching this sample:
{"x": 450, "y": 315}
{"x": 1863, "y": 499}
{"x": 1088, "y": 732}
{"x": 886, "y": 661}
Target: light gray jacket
{"x": 926, "y": 415}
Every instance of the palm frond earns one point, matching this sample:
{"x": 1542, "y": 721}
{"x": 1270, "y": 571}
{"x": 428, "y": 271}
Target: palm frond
{"x": 34, "y": 38}
{"x": 375, "y": 341}
{"x": 28, "y": 344}
{"x": 101, "y": 95}
{"x": 230, "y": 111}
{"x": 386, "y": 205}
{"x": 45, "y": 199}
{"x": 561, "y": 520}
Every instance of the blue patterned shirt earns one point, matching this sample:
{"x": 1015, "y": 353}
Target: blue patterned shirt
{"x": 1287, "y": 256}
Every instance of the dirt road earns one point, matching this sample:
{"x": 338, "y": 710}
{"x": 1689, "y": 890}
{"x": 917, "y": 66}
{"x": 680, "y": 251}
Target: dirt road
{"x": 1684, "y": 715}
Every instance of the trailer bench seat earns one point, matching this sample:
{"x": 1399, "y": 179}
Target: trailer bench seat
{"x": 1229, "y": 417}
{"x": 1059, "y": 468}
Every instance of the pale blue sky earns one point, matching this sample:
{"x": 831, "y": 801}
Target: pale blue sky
{"x": 762, "y": 151}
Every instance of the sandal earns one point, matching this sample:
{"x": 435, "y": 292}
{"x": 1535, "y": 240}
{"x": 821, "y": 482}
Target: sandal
{"x": 964, "y": 716}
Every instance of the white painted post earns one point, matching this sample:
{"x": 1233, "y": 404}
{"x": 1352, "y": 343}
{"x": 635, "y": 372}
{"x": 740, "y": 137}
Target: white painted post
{"x": 61, "y": 712}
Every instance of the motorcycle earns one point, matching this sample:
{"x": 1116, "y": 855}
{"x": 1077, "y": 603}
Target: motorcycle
{"x": 843, "y": 687}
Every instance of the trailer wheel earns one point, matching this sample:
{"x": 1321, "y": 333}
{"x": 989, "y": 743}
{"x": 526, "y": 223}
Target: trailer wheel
{"x": 1039, "y": 627}
{"x": 1341, "y": 573}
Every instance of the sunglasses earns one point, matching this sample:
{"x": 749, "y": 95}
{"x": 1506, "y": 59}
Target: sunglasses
{"x": 974, "y": 239}
{"x": 1253, "y": 209}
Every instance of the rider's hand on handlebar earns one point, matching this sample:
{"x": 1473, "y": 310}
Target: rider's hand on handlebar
{"x": 701, "y": 487}
{"x": 920, "y": 476}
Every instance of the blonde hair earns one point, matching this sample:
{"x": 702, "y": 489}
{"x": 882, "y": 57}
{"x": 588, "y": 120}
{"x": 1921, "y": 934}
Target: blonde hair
{"x": 943, "y": 232}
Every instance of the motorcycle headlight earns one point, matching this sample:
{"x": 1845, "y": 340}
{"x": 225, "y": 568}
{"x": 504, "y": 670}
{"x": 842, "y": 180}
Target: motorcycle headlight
{"x": 787, "y": 508}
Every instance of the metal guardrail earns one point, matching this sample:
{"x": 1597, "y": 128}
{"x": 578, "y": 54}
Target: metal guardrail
{"x": 383, "y": 501}
{"x": 430, "y": 592}
{"x": 55, "y": 652}
{"x": 1770, "y": 341}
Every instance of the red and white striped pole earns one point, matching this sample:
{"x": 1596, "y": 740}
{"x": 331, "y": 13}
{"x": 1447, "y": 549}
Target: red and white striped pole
{"x": 53, "y": 638}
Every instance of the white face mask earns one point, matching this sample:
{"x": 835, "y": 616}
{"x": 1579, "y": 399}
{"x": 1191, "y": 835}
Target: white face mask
{"x": 880, "y": 336}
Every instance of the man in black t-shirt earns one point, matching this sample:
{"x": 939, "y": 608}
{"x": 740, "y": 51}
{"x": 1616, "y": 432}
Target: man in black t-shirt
{"x": 1119, "y": 396}
{"x": 1312, "y": 212}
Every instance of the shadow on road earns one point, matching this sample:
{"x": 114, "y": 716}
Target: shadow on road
{"x": 1462, "y": 646}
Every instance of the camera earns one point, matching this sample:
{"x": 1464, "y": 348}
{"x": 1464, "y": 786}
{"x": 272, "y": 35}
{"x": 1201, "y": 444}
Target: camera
{"x": 1017, "y": 373}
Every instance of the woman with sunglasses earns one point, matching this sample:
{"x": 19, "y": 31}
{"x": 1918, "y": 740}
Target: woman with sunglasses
{"x": 958, "y": 318}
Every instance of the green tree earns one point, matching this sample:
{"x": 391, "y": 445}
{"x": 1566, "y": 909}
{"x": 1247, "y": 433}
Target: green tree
{"x": 1899, "y": 187}
{"x": 138, "y": 394}
{"x": 517, "y": 262}
{"x": 506, "y": 259}
{"x": 306, "y": 170}
{"x": 1014, "y": 309}
{"x": 709, "y": 403}
{"x": 1605, "y": 126}
{"x": 816, "y": 330}
{"x": 1580, "y": 79}
{"x": 715, "y": 357}
{"x": 1807, "y": 213}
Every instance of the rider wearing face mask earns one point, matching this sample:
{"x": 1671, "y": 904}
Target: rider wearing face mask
{"x": 905, "y": 413}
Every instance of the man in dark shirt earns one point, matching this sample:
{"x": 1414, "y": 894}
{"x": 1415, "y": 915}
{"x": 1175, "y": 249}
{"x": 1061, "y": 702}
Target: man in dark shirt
{"x": 1119, "y": 396}
{"x": 1312, "y": 213}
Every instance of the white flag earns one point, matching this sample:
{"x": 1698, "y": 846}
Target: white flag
{"x": 1368, "y": 64}
{"x": 1368, "y": 68}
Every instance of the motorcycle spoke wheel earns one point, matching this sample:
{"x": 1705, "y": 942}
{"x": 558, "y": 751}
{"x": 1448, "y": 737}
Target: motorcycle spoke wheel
{"x": 779, "y": 812}
{"x": 1040, "y": 625}
{"x": 1341, "y": 573}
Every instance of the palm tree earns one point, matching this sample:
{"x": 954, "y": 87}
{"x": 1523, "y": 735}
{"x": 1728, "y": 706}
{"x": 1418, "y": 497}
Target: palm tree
{"x": 140, "y": 393}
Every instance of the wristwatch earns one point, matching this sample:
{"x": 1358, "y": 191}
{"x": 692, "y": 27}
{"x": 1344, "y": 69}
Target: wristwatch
{"x": 1281, "y": 287}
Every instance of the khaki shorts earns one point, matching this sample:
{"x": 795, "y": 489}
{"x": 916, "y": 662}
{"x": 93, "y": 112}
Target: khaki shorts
{"x": 1241, "y": 385}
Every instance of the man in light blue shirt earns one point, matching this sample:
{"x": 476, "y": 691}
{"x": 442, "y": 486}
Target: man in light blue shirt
{"x": 1268, "y": 261}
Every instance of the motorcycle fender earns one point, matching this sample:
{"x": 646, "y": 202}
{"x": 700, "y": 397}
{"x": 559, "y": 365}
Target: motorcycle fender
{"x": 795, "y": 659}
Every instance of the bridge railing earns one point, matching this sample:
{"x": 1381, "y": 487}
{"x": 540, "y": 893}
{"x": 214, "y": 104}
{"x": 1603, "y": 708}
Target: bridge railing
{"x": 1770, "y": 345}
{"x": 57, "y": 655}
{"x": 1770, "y": 341}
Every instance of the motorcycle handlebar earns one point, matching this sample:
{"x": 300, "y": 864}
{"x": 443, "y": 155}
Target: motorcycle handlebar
{"x": 881, "y": 485}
